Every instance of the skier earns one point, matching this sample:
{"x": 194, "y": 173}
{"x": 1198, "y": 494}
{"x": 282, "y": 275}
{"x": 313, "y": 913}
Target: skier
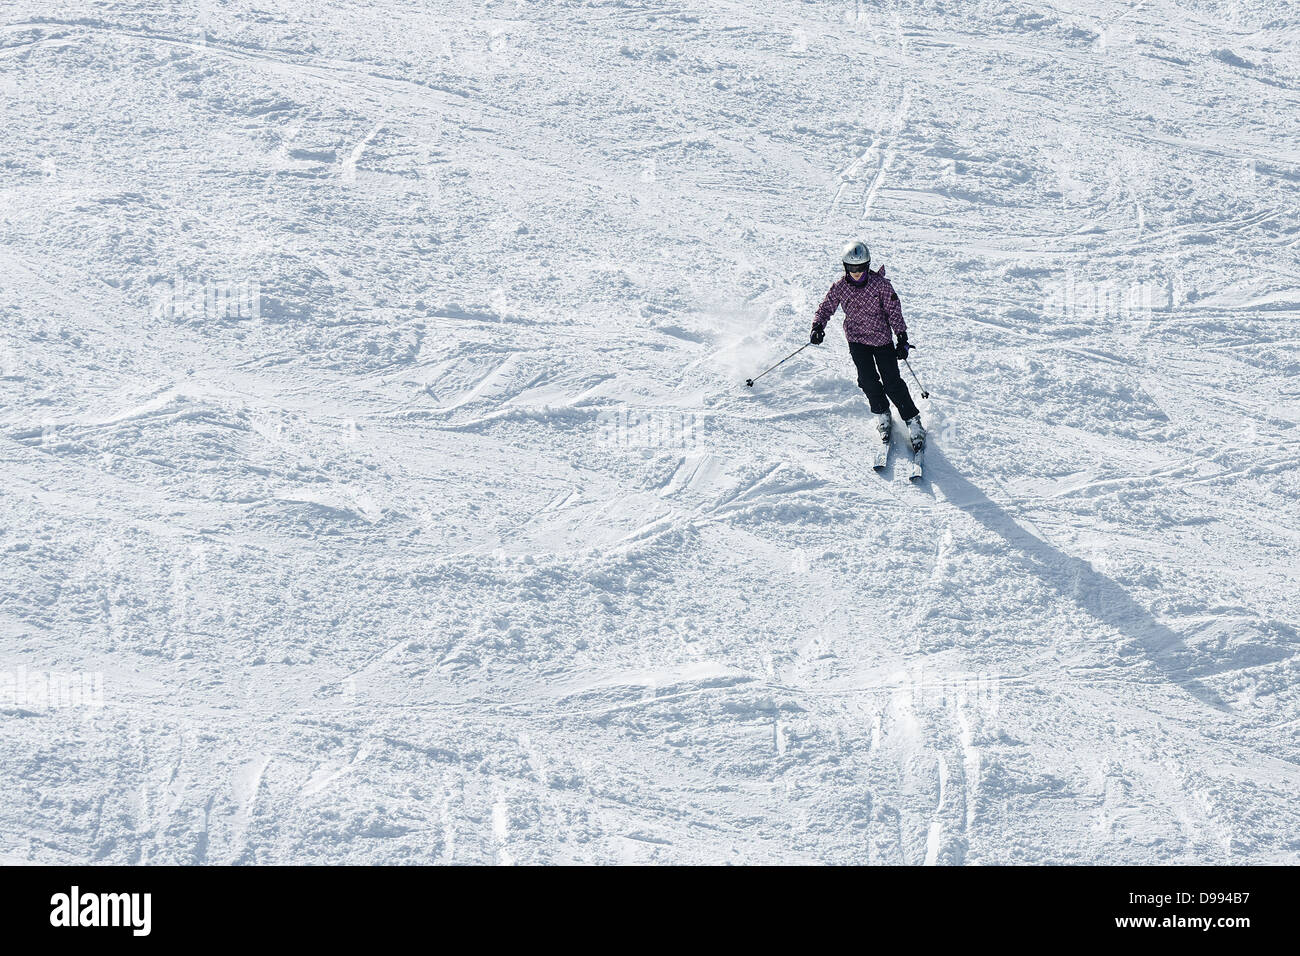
{"x": 871, "y": 313}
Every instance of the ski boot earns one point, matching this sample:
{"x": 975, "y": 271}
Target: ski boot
{"x": 916, "y": 431}
{"x": 884, "y": 426}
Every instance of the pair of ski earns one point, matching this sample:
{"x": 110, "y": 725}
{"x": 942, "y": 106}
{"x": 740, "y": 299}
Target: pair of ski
{"x": 915, "y": 466}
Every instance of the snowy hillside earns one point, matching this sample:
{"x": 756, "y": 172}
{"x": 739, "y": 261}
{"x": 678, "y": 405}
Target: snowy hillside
{"x": 380, "y": 483}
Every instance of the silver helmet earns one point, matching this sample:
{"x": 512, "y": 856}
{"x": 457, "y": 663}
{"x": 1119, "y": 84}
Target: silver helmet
{"x": 856, "y": 253}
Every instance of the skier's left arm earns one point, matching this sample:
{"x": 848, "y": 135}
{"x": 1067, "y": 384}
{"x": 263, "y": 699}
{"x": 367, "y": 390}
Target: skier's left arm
{"x": 894, "y": 315}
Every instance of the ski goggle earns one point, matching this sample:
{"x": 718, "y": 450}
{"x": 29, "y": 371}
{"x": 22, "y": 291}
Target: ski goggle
{"x": 856, "y": 266}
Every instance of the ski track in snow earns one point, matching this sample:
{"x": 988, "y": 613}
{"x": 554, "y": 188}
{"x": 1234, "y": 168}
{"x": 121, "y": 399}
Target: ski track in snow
{"x": 472, "y": 547}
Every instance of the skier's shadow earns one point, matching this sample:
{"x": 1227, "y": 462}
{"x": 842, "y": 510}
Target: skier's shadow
{"x": 1076, "y": 579}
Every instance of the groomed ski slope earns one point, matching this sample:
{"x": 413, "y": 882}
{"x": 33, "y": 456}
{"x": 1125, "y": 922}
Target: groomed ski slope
{"x": 467, "y": 544}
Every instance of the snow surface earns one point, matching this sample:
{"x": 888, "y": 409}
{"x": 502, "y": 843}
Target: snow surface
{"x": 445, "y": 530}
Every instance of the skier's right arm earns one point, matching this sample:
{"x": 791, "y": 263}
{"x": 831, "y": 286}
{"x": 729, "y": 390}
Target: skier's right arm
{"x": 827, "y": 308}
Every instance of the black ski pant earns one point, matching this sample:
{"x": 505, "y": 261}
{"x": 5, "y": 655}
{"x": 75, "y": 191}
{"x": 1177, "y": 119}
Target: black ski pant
{"x": 878, "y": 377}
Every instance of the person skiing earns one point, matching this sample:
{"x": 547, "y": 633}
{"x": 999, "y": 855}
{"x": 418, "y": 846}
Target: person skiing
{"x": 871, "y": 313}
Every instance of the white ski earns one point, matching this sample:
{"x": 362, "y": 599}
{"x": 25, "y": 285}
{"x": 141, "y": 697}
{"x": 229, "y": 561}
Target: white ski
{"x": 882, "y": 456}
{"x": 918, "y": 461}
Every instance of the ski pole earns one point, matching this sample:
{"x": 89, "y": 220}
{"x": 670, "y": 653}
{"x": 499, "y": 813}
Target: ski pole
{"x": 750, "y": 381}
{"x": 924, "y": 393}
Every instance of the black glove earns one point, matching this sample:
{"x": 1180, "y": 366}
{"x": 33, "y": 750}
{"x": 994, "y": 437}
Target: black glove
{"x": 818, "y": 335}
{"x": 902, "y": 348}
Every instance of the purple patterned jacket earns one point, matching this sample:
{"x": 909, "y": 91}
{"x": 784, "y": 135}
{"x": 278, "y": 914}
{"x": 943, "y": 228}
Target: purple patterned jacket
{"x": 871, "y": 309}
